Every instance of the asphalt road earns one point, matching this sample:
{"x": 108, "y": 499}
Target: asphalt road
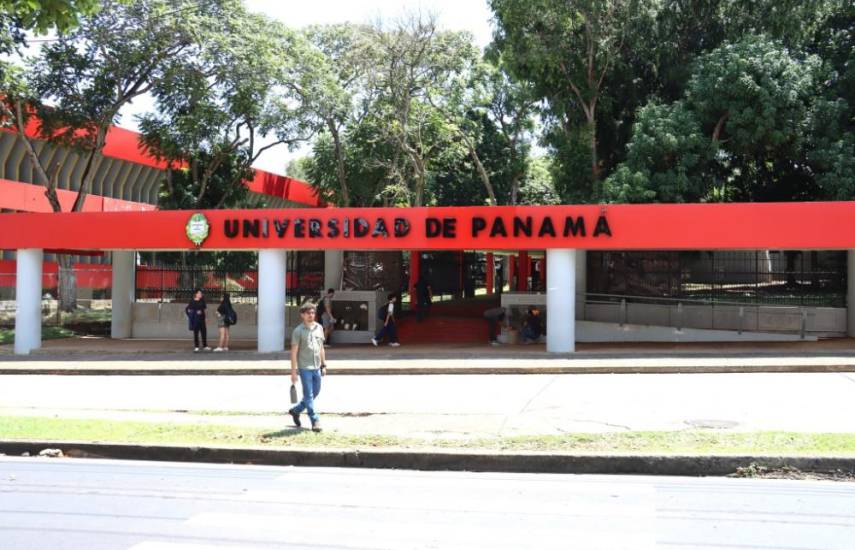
{"x": 98, "y": 504}
{"x": 486, "y": 405}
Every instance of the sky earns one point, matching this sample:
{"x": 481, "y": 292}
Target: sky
{"x": 469, "y": 15}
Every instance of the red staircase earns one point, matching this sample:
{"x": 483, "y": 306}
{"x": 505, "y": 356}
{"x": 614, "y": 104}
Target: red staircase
{"x": 455, "y": 322}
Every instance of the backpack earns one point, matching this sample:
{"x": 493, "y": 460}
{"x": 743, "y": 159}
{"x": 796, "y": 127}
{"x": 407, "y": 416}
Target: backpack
{"x": 231, "y": 317}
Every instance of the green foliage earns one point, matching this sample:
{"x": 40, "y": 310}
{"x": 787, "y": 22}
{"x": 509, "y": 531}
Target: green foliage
{"x": 212, "y": 107}
{"x": 44, "y": 15}
{"x": 181, "y": 193}
{"x": 538, "y": 187}
{"x": 647, "y": 52}
{"x": 738, "y": 134}
{"x": 17, "y": 17}
{"x": 832, "y": 118}
{"x": 666, "y": 159}
{"x": 80, "y": 82}
{"x": 757, "y": 91}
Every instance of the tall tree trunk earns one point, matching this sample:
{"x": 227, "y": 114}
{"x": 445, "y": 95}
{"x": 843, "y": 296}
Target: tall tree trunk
{"x": 339, "y": 161}
{"x": 67, "y": 284}
{"x": 485, "y": 178}
{"x": 595, "y": 165}
{"x": 515, "y": 188}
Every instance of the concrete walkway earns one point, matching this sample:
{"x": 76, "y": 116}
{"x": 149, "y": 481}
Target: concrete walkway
{"x": 161, "y": 357}
{"x": 457, "y": 406}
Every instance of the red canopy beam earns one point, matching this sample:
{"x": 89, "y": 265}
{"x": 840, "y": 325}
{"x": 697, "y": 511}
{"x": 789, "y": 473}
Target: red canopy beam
{"x": 817, "y": 225}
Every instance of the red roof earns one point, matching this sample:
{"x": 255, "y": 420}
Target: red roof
{"x": 124, "y": 145}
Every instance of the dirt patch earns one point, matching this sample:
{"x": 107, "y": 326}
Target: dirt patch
{"x": 788, "y": 472}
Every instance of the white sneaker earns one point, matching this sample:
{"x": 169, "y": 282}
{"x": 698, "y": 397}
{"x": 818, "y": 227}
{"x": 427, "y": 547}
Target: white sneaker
{"x": 495, "y": 343}
{"x": 394, "y": 344}
{"x": 218, "y": 349}
{"x": 207, "y": 348}
{"x": 225, "y": 349}
{"x": 374, "y": 341}
{"x": 195, "y": 350}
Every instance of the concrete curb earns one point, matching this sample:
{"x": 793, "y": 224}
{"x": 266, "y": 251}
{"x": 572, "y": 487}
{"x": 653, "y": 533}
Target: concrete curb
{"x": 438, "y": 461}
{"x": 358, "y": 371}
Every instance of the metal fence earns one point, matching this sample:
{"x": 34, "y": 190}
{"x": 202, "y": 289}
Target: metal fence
{"x": 170, "y": 283}
{"x": 177, "y": 283}
{"x": 802, "y": 278}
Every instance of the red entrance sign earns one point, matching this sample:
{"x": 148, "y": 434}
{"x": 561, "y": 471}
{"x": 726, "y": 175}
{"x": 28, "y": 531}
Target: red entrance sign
{"x": 816, "y": 225}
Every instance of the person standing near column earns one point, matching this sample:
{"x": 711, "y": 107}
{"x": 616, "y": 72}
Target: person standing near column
{"x": 308, "y": 362}
{"x": 195, "y": 311}
{"x": 226, "y": 316}
{"x": 327, "y": 318}
{"x": 424, "y": 296}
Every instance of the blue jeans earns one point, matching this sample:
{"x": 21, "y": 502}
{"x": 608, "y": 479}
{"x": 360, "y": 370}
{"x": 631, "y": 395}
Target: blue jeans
{"x": 311, "y": 381}
{"x": 387, "y": 330}
{"x": 529, "y": 333}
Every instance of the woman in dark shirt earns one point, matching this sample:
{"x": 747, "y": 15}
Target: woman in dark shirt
{"x": 224, "y": 319}
{"x": 196, "y": 320}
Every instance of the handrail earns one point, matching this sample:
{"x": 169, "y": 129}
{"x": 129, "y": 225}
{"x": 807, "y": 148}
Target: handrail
{"x": 801, "y": 311}
{"x": 630, "y": 297}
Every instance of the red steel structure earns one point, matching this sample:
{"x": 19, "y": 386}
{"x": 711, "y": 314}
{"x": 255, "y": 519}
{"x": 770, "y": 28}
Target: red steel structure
{"x": 780, "y": 226}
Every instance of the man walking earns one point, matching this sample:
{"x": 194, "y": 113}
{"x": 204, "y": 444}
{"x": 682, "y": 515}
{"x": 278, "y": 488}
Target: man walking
{"x": 386, "y": 315}
{"x": 309, "y": 362}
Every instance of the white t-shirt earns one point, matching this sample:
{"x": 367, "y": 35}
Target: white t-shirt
{"x": 391, "y": 308}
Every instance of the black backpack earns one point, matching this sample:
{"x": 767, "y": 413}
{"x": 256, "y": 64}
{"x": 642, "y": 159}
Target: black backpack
{"x": 231, "y": 317}
{"x": 382, "y": 311}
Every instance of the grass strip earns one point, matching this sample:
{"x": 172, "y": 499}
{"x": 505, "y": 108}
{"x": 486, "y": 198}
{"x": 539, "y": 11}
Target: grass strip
{"x": 690, "y": 442}
{"x": 7, "y": 335}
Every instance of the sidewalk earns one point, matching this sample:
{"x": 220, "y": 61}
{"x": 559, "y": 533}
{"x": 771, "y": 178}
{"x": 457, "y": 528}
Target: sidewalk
{"x": 103, "y": 356}
{"x": 450, "y": 394}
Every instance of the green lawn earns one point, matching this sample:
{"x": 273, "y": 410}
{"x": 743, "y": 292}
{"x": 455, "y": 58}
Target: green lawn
{"x": 695, "y": 442}
{"x": 7, "y": 335}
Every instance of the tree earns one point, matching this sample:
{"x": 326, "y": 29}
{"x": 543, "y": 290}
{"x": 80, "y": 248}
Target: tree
{"x": 368, "y": 158}
{"x": 832, "y": 118}
{"x": 513, "y": 104}
{"x": 17, "y": 18}
{"x": 652, "y": 61}
{"x": 416, "y": 57}
{"x": 737, "y": 135}
{"x": 567, "y": 49}
{"x": 330, "y": 76}
{"x": 538, "y": 187}
{"x": 667, "y": 158}
{"x": 214, "y": 107}
{"x": 43, "y": 15}
{"x": 78, "y": 84}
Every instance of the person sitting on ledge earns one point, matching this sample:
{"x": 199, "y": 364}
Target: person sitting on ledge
{"x": 532, "y": 330}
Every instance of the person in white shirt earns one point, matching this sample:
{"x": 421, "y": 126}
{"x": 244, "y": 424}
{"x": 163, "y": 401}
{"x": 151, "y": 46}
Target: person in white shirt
{"x": 386, "y": 315}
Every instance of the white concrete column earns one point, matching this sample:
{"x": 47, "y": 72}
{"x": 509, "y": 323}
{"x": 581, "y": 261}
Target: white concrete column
{"x": 850, "y": 292}
{"x": 560, "y": 300}
{"x": 123, "y": 289}
{"x": 28, "y": 300}
{"x": 581, "y": 282}
{"x": 333, "y": 269}
{"x": 271, "y": 300}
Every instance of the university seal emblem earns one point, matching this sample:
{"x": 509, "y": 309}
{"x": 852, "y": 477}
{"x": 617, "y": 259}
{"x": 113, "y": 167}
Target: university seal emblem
{"x": 197, "y": 229}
